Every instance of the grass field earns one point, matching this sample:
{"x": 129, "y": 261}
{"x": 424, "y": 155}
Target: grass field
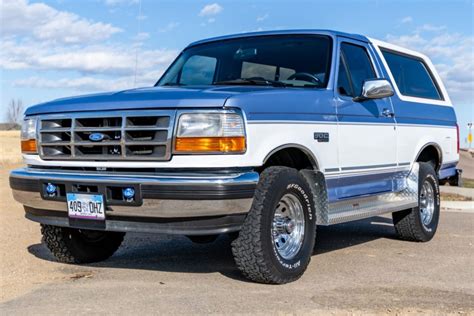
{"x": 468, "y": 183}
{"x": 10, "y": 153}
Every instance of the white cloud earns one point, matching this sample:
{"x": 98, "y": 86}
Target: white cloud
{"x": 99, "y": 59}
{"x": 211, "y": 20}
{"x": 262, "y": 17}
{"x": 87, "y": 84}
{"x": 211, "y": 9}
{"x": 451, "y": 53}
{"x": 407, "y": 19}
{"x": 410, "y": 40}
{"x": 169, "y": 27}
{"x": 42, "y": 22}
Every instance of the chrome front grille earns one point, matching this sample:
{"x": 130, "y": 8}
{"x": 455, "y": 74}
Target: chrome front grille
{"x": 138, "y": 135}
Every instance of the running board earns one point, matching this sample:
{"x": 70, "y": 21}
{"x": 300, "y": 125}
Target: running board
{"x": 363, "y": 207}
{"x": 405, "y": 197}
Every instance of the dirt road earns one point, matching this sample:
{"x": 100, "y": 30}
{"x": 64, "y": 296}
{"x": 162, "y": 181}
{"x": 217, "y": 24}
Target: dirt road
{"x": 357, "y": 267}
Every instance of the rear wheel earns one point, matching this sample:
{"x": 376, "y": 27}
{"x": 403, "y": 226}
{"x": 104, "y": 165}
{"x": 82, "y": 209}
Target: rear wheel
{"x": 278, "y": 235}
{"x": 70, "y": 245}
{"x": 420, "y": 223}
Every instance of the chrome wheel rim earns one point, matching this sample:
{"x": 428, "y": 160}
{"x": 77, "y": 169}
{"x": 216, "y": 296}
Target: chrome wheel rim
{"x": 288, "y": 226}
{"x": 427, "y": 203}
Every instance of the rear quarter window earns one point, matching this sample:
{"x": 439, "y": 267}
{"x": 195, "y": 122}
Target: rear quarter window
{"x": 412, "y": 76}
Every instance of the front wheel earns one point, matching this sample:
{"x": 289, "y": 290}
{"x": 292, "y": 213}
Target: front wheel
{"x": 278, "y": 235}
{"x": 420, "y": 223}
{"x": 70, "y": 245}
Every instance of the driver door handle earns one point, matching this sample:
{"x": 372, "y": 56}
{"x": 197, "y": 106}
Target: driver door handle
{"x": 387, "y": 113}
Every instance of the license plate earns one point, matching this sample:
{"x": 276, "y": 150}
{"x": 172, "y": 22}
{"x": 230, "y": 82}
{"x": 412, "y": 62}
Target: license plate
{"x": 87, "y": 206}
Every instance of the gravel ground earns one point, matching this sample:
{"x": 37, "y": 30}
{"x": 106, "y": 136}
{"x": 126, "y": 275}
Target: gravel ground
{"x": 357, "y": 268}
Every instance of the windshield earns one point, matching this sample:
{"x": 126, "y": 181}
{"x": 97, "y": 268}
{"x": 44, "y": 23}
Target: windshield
{"x": 295, "y": 61}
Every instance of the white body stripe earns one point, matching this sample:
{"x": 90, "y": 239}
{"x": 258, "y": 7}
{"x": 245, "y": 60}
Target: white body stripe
{"x": 263, "y": 139}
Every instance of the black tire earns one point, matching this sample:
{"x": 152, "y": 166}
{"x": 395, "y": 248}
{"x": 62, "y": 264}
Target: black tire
{"x": 455, "y": 181}
{"x": 70, "y": 245}
{"x": 203, "y": 239}
{"x": 409, "y": 223}
{"x": 254, "y": 251}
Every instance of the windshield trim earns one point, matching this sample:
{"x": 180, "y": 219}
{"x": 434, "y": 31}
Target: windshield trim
{"x": 329, "y": 63}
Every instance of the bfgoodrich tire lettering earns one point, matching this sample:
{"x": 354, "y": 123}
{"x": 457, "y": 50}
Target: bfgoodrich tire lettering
{"x": 254, "y": 251}
{"x": 410, "y": 224}
{"x": 70, "y": 245}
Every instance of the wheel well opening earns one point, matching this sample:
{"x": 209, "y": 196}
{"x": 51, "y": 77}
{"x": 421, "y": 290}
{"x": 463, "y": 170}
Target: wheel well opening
{"x": 290, "y": 157}
{"x": 430, "y": 154}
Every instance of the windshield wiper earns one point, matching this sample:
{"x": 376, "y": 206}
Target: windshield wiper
{"x": 252, "y": 81}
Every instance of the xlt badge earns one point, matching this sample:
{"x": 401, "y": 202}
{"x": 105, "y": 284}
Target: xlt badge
{"x": 322, "y": 137}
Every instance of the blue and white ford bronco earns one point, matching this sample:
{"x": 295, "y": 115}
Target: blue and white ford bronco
{"x": 262, "y": 136}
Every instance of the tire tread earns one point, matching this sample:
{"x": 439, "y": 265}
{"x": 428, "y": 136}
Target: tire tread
{"x": 247, "y": 249}
{"x": 58, "y": 241}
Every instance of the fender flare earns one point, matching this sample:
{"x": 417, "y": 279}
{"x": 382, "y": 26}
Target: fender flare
{"x": 438, "y": 149}
{"x": 305, "y": 150}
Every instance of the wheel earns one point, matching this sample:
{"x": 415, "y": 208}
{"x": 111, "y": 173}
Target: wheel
{"x": 420, "y": 223}
{"x": 204, "y": 239}
{"x": 70, "y": 245}
{"x": 455, "y": 181}
{"x": 277, "y": 238}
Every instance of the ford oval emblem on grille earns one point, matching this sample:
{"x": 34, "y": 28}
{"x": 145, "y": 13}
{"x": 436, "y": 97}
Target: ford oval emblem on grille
{"x": 96, "y": 137}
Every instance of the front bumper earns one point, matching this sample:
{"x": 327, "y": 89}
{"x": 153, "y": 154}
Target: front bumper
{"x": 180, "y": 203}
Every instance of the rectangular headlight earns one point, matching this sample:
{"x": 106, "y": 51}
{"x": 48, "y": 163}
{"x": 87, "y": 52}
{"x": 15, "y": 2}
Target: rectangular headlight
{"x": 210, "y": 133}
{"x": 28, "y": 136}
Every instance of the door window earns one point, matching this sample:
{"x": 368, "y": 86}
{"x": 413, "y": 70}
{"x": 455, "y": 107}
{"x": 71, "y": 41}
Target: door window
{"x": 354, "y": 68}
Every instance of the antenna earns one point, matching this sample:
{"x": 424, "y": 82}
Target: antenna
{"x": 139, "y": 18}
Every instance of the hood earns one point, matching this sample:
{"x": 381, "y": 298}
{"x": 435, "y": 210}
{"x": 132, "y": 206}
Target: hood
{"x": 146, "y": 98}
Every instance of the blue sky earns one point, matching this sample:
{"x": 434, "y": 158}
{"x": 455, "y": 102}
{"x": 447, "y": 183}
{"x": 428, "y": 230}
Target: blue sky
{"x": 58, "y": 48}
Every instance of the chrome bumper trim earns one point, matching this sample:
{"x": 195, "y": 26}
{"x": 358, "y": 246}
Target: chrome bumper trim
{"x": 151, "y": 207}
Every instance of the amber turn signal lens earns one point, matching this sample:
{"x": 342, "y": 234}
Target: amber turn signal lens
{"x": 210, "y": 144}
{"x": 28, "y": 146}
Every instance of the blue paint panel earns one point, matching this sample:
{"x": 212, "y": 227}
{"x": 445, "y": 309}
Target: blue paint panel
{"x": 449, "y": 165}
{"x": 446, "y": 173}
{"x": 147, "y": 98}
{"x": 422, "y": 113}
{"x": 286, "y": 104}
{"x": 448, "y": 170}
{"x": 359, "y": 185}
{"x": 363, "y": 112}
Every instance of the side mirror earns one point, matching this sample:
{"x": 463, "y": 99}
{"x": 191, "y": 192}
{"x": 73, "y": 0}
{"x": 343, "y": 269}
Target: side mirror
{"x": 375, "y": 89}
